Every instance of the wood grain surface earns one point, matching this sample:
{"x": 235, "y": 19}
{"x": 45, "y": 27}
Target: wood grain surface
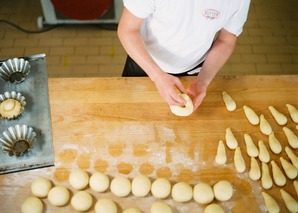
{"x": 121, "y": 126}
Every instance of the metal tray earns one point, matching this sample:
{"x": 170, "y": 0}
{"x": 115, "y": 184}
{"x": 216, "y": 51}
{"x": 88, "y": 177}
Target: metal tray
{"x": 35, "y": 115}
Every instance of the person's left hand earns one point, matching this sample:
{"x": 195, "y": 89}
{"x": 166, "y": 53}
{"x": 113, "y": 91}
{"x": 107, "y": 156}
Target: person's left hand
{"x": 196, "y": 92}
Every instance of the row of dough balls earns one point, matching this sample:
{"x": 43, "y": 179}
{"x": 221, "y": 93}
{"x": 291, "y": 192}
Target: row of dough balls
{"x": 121, "y": 186}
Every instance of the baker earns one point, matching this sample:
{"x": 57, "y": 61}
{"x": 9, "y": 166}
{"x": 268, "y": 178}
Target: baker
{"x": 165, "y": 39}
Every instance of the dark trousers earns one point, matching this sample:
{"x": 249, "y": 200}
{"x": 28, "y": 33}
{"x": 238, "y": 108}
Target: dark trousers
{"x": 132, "y": 69}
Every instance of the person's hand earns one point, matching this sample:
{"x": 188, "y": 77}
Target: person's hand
{"x": 196, "y": 92}
{"x": 169, "y": 87}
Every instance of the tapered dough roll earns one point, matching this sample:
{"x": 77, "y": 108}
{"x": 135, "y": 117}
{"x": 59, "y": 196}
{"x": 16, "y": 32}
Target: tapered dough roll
{"x": 32, "y": 205}
{"x": 213, "y": 208}
{"x": 291, "y": 203}
{"x": 264, "y": 155}
{"x": 229, "y": 102}
{"x": 290, "y": 170}
{"x": 295, "y": 183}
{"x": 231, "y": 141}
{"x": 221, "y": 157}
{"x": 266, "y": 179}
{"x": 182, "y": 192}
{"x": 183, "y": 110}
{"x": 280, "y": 118}
{"x": 274, "y": 144}
{"x": 292, "y": 138}
{"x": 270, "y": 203}
{"x": 293, "y": 112}
{"x": 239, "y": 162}
{"x": 255, "y": 171}
{"x": 79, "y": 179}
{"x": 223, "y": 190}
{"x": 251, "y": 148}
{"x": 292, "y": 156}
{"x": 251, "y": 116}
{"x": 40, "y": 187}
{"x": 203, "y": 193}
{"x": 265, "y": 127}
{"x": 278, "y": 177}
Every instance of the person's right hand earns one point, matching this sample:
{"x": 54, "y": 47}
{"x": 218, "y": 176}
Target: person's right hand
{"x": 169, "y": 87}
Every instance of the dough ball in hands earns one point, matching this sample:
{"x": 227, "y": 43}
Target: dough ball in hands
{"x": 120, "y": 186}
{"x": 159, "y": 207}
{"x": 182, "y": 192}
{"x": 105, "y": 206}
{"x": 140, "y": 186}
{"x": 79, "y": 179}
{"x": 223, "y": 190}
{"x": 32, "y": 205}
{"x": 59, "y": 196}
{"x": 81, "y": 201}
{"x": 161, "y": 188}
{"x": 183, "y": 110}
{"x": 99, "y": 182}
{"x": 40, "y": 187}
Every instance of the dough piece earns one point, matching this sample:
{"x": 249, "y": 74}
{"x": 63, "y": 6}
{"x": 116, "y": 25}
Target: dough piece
{"x": 291, "y": 203}
{"x": 140, "y": 186}
{"x": 99, "y": 182}
{"x": 120, "y": 186}
{"x": 251, "y": 148}
{"x": 264, "y": 155}
{"x": 266, "y": 179}
{"x": 183, "y": 110}
{"x": 182, "y": 192}
{"x": 81, "y": 201}
{"x": 59, "y": 196}
{"x": 79, "y": 179}
{"x": 159, "y": 207}
{"x": 221, "y": 157}
{"x": 265, "y": 126}
{"x": 203, "y": 193}
{"x": 290, "y": 170}
{"x": 229, "y": 102}
{"x": 297, "y": 127}
{"x": 271, "y": 204}
{"x": 295, "y": 183}
{"x": 40, "y": 187}
{"x": 239, "y": 162}
{"x": 161, "y": 188}
{"x": 223, "y": 190}
{"x": 292, "y": 138}
{"x": 251, "y": 116}
{"x": 293, "y": 112}
{"x": 105, "y": 206}
{"x": 255, "y": 171}
{"x": 10, "y": 108}
{"x": 32, "y": 205}
{"x": 213, "y": 208}
{"x": 292, "y": 156}
{"x": 131, "y": 210}
{"x": 278, "y": 176}
{"x": 280, "y": 118}
{"x": 231, "y": 141}
{"x": 274, "y": 144}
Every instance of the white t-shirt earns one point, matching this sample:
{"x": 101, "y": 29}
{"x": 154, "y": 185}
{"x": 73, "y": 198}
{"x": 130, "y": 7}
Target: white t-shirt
{"x": 179, "y": 33}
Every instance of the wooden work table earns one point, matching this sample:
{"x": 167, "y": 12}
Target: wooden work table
{"x": 121, "y": 126}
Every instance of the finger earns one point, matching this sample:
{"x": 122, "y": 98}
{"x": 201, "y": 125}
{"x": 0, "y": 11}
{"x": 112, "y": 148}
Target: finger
{"x": 178, "y": 99}
{"x": 198, "y": 100}
{"x": 179, "y": 86}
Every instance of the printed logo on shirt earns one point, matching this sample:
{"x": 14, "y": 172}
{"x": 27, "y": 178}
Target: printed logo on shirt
{"x": 211, "y": 14}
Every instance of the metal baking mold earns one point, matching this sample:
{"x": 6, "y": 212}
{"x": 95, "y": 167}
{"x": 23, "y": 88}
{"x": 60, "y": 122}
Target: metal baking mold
{"x": 17, "y": 140}
{"x": 15, "y": 96}
{"x": 15, "y": 70}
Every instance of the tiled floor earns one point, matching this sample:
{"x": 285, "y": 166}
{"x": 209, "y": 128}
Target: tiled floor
{"x": 268, "y": 45}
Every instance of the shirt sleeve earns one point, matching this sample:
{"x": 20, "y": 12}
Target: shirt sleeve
{"x": 139, "y": 8}
{"x": 237, "y": 20}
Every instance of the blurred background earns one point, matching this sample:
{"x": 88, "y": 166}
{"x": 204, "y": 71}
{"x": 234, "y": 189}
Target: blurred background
{"x": 75, "y": 47}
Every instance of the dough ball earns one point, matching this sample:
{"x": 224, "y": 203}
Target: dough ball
{"x": 78, "y": 179}
{"x": 159, "y": 207}
{"x": 183, "y": 110}
{"x": 40, "y": 187}
{"x": 99, "y": 182}
{"x": 140, "y": 186}
{"x": 81, "y": 201}
{"x": 105, "y": 206}
{"x": 161, "y": 188}
{"x": 223, "y": 190}
{"x": 120, "y": 186}
{"x": 132, "y": 210}
{"x": 214, "y": 208}
{"x": 182, "y": 192}
{"x": 32, "y": 205}
{"x": 203, "y": 193}
{"x": 58, "y": 196}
